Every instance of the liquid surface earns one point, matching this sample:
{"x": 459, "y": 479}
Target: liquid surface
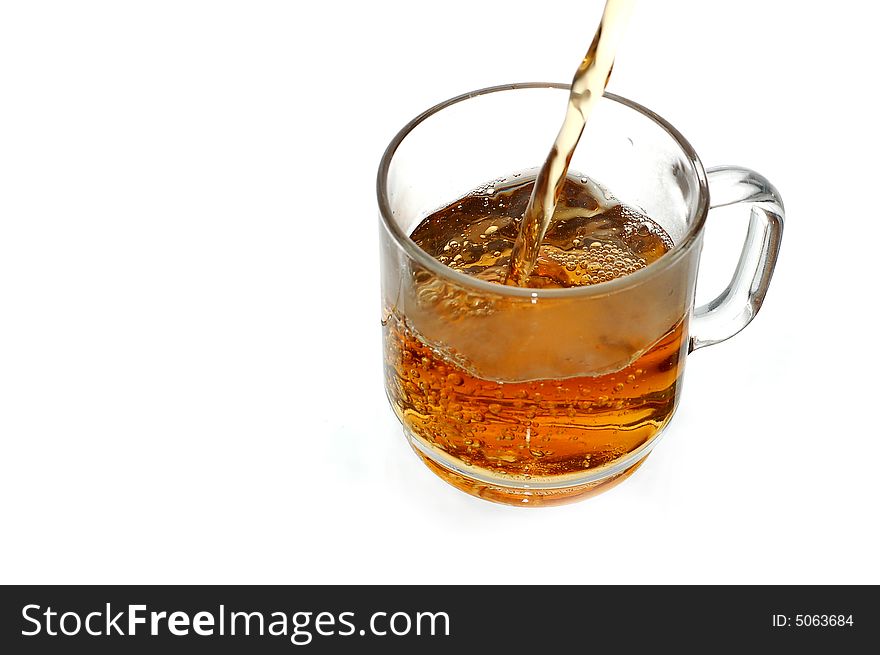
{"x": 591, "y": 238}
{"x": 587, "y": 88}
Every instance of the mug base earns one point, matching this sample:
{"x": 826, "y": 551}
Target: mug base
{"x": 528, "y": 496}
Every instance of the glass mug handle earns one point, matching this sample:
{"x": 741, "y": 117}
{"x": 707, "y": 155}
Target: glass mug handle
{"x": 738, "y": 304}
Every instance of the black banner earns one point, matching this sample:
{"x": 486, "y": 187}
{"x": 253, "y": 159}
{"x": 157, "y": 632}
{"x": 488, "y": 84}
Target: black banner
{"x": 338, "y": 619}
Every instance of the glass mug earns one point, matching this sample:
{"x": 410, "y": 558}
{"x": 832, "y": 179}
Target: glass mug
{"x": 543, "y": 396}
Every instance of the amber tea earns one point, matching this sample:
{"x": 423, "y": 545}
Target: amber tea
{"x": 530, "y": 428}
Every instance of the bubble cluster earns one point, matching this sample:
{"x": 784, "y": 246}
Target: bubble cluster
{"x": 452, "y": 301}
{"x": 588, "y": 265}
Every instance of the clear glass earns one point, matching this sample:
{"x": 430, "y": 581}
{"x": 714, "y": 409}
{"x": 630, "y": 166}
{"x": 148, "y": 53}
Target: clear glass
{"x": 541, "y": 396}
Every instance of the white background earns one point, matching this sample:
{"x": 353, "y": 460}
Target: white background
{"x": 190, "y": 364}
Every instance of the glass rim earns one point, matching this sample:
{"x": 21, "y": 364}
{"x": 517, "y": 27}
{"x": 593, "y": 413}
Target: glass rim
{"x": 415, "y": 252}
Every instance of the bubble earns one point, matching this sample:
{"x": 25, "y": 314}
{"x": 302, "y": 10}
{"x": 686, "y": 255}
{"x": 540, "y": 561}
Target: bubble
{"x": 454, "y": 379}
{"x": 495, "y": 408}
